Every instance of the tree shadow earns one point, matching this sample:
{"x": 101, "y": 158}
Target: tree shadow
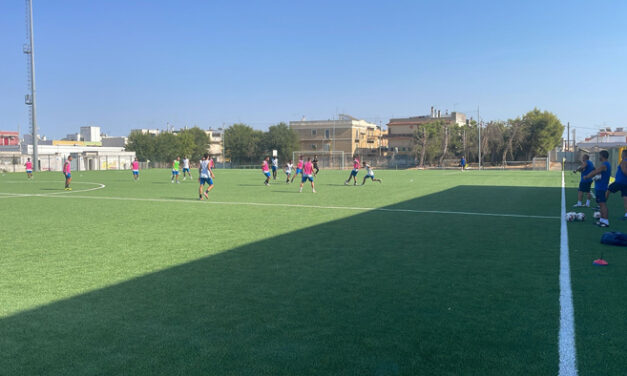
{"x": 380, "y": 292}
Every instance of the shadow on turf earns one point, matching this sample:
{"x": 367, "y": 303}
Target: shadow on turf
{"x": 378, "y": 293}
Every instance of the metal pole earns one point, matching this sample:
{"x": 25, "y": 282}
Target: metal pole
{"x": 479, "y": 126}
{"x": 31, "y": 52}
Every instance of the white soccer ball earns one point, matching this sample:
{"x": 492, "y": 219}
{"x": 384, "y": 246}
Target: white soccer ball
{"x": 570, "y": 216}
{"x": 581, "y": 216}
{"x": 597, "y": 215}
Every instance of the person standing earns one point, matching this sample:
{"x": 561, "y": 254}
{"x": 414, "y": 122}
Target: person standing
{"x": 275, "y": 167}
{"x": 266, "y": 170}
{"x": 600, "y": 186}
{"x": 462, "y": 163}
{"x": 135, "y": 166}
{"x": 206, "y": 176}
{"x": 186, "y": 169}
{"x": 584, "y": 184}
{"x": 307, "y": 175}
{"x": 175, "y": 170}
{"x": 315, "y": 165}
{"x": 288, "y": 170}
{"x": 620, "y": 182}
{"x": 29, "y": 168}
{"x": 67, "y": 172}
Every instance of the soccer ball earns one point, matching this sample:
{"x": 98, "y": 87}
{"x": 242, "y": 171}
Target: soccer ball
{"x": 570, "y": 216}
{"x": 597, "y": 215}
{"x": 581, "y": 216}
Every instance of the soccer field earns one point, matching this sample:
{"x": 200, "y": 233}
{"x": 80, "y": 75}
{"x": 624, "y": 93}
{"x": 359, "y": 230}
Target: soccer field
{"x": 428, "y": 273}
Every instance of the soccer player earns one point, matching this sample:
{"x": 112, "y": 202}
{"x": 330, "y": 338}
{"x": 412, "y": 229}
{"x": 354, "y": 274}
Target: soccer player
{"x": 307, "y": 175}
{"x": 67, "y": 172}
{"x": 288, "y": 170}
{"x": 275, "y": 167}
{"x": 600, "y": 186}
{"x": 266, "y": 170}
{"x": 175, "y": 170}
{"x": 584, "y": 184}
{"x": 135, "y": 166}
{"x": 462, "y": 163}
{"x": 299, "y": 168}
{"x": 29, "y": 168}
{"x": 186, "y": 169}
{"x": 315, "y": 165}
{"x": 354, "y": 172}
{"x": 620, "y": 182}
{"x": 369, "y": 174}
{"x": 205, "y": 174}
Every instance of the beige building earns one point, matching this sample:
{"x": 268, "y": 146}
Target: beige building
{"x": 347, "y": 134}
{"x": 401, "y": 130}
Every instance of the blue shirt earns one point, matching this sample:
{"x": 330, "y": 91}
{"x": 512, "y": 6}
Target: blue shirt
{"x": 620, "y": 177}
{"x": 601, "y": 184}
{"x": 463, "y": 162}
{"x": 589, "y": 168}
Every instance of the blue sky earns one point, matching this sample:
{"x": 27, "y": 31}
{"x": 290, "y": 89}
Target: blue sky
{"x": 139, "y": 64}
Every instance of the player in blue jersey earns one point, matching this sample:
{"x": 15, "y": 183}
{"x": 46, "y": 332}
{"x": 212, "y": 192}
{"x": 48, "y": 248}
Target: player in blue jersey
{"x": 462, "y": 163}
{"x": 620, "y": 182}
{"x": 584, "y": 184}
{"x": 601, "y": 185}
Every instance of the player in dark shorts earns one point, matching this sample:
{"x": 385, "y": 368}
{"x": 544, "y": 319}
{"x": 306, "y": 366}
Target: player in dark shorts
{"x": 620, "y": 182}
{"x": 601, "y": 185}
{"x": 315, "y": 165}
{"x": 584, "y": 184}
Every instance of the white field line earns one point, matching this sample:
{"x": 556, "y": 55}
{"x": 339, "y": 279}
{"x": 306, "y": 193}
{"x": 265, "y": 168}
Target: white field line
{"x": 307, "y": 206}
{"x": 10, "y": 195}
{"x": 567, "y": 351}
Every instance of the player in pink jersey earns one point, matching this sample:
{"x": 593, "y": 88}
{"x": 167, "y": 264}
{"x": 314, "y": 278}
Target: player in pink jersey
{"x": 308, "y": 174}
{"x": 29, "y": 168}
{"x": 266, "y": 170}
{"x": 67, "y": 172}
{"x": 354, "y": 171}
{"x": 299, "y": 168}
{"x": 135, "y": 166}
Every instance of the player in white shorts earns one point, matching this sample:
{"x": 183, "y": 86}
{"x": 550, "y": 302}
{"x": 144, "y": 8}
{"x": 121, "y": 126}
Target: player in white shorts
{"x": 288, "y": 170}
{"x": 186, "y": 170}
{"x": 369, "y": 174}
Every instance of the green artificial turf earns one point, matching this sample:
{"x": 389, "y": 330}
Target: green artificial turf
{"x": 141, "y": 278}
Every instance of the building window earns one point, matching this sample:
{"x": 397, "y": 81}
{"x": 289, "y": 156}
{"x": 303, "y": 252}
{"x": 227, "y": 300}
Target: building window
{"x": 327, "y": 147}
{"x": 313, "y": 147}
{"x": 314, "y": 132}
{"x": 327, "y": 133}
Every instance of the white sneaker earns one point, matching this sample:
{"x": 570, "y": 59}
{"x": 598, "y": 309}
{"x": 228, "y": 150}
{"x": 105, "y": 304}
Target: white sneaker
{"x": 314, "y": 191}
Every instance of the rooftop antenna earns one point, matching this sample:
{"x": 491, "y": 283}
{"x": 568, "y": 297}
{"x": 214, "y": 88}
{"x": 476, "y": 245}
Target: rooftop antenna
{"x": 29, "y": 50}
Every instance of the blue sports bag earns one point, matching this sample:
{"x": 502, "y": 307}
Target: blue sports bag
{"x": 614, "y": 238}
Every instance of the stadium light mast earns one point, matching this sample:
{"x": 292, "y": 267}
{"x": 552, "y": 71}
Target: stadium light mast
{"x": 29, "y": 50}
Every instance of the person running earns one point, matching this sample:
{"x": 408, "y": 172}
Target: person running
{"x": 600, "y": 186}
{"x": 266, "y": 170}
{"x": 29, "y": 168}
{"x": 307, "y": 174}
{"x": 275, "y": 167}
{"x": 135, "y": 166}
{"x": 369, "y": 174}
{"x": 299, "y": 168}
{"x": 584, "y": 184}
{"x": 354, "y": 172}
{"x": 186, "y": 170}
{"x": 315, "y": 165}
{"x": 462, "y": 163}
{"x": 67, "y": 172}
{"x": 288, "y": 170}
{"x": 620, "y": 181}
{"x": 205, "y": 174}
{"x": 175, "y": 170}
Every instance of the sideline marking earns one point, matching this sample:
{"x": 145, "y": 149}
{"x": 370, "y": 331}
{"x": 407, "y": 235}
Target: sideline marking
{"x": 567, "y": 351}
{"x": 307, "y": 206}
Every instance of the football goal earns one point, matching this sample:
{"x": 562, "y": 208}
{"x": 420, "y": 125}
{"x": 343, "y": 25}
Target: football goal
{"x": 326, "y": 159}
{"x": 540, "y": 163}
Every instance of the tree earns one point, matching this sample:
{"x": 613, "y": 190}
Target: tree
{"x": 242, "y": 143}
{"x": 144, "y": 145}
{"x": 282, "y": 138}
{"x": 544, "y": 132}
{"x": 193, "y": 143}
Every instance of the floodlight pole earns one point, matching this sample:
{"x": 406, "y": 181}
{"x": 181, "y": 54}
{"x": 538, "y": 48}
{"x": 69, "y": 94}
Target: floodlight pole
{"x": 30, "y": 101}
{"x": 479, "y": 126}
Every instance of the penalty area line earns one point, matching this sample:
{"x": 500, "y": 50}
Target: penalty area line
{"x": 303, "y": 206}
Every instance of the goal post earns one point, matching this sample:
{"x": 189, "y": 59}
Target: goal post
{"x": 540, "y": 163}
{"x": 326, "y": 159}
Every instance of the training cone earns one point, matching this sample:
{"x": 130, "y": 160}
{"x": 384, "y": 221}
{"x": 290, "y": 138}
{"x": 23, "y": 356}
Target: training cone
{"x": 599, "y": 262}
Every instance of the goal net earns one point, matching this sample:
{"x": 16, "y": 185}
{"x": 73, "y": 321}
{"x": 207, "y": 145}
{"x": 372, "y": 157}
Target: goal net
{"x": 326, "y": 159}
{"x": 540, "y": 163}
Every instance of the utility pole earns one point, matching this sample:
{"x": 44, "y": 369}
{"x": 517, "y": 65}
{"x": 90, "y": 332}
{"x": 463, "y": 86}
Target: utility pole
{"x": 479, "y": 126}
{"x": 568, "y": 137}
{"x": 29, "y": 49}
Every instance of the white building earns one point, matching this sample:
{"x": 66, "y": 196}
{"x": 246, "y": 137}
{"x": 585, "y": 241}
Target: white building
{"x": 91, "y": 134}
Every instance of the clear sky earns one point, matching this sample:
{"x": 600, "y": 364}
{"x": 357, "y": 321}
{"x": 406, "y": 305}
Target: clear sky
{"x": 124, "y": 64}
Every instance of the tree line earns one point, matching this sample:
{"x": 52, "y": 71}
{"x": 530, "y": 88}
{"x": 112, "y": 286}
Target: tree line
{"x": 520, "y": 139}
{"x": 242, "y": 144}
